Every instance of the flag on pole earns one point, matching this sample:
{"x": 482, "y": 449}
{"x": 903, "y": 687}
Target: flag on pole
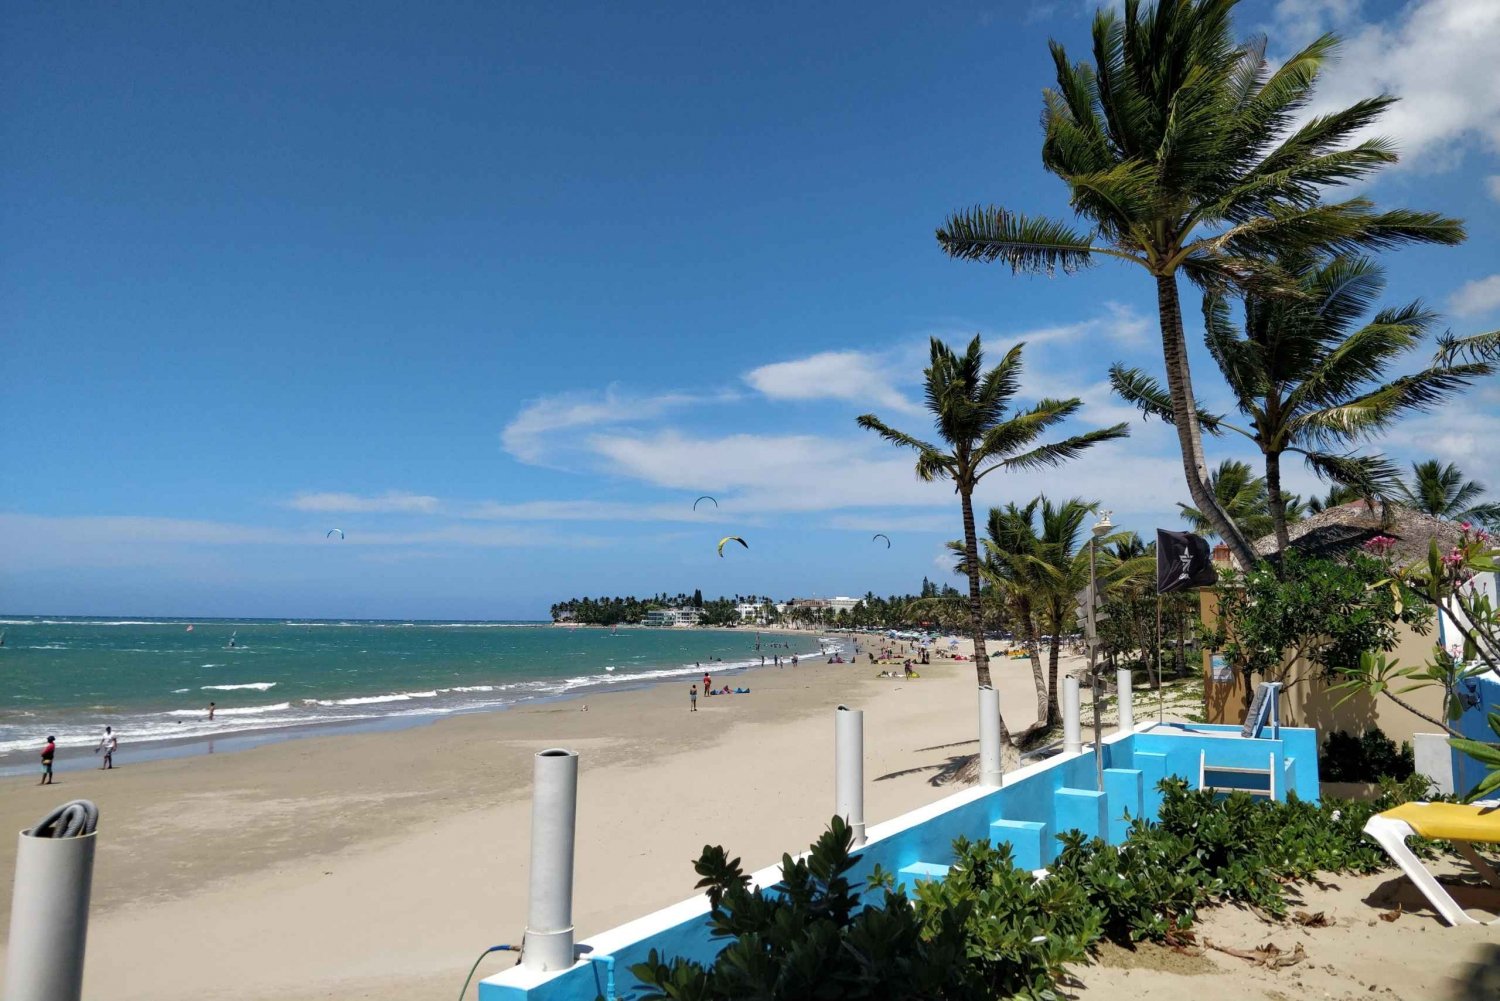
{"x": 1183, "y": 561}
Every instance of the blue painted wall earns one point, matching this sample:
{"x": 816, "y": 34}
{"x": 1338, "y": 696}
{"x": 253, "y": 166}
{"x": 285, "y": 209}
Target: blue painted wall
{"x": 1474, "y": 724}
{"x": 1134, "y": 765}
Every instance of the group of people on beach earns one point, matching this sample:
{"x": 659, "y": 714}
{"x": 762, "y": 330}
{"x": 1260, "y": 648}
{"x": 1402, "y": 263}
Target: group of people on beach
{"x": 109, "y": 744}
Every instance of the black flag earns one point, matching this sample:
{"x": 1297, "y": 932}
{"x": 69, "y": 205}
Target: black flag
{"x": 1183, "y": 561}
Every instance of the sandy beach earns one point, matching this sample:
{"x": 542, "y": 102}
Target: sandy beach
{"x": 377, "y": 865}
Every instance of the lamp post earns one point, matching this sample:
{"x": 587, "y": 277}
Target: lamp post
{"x": 1101, "y": 528}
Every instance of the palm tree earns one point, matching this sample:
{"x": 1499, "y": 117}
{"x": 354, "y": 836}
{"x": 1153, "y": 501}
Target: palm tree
{"x": 1443, "y": 492}
{"x": 1060, "y": 563}
{"x": 1308, "y": 380}
{"x": 1010, "y": 538}
{"x": 1182, "y": 152}
{"x": 1241, "y": 494}
{"x": 1338, "y": 494}
{"x": 971, "y": 409}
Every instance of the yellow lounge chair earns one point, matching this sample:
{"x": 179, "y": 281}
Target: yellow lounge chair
{"x": 1463, "y": 825}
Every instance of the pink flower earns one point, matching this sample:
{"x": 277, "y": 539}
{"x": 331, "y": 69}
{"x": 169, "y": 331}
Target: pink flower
{"x": 1465, "y": 525}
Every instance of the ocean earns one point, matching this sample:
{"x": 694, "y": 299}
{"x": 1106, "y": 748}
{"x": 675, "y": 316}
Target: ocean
{"x": 152, "y": 679}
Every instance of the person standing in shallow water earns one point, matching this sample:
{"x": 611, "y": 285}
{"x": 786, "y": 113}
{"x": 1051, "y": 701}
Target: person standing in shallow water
{"x": 693, "y": 699}
{"x": 48, "y": 752}
{"x": 211, "y": 708}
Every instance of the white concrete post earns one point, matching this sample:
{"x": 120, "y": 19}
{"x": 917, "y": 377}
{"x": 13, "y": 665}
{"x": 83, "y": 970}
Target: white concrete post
{"x": 49, "y": 918}
{"x": 1072, "y": 710}
{"x": 849, "y": 769}
{"x": 554, "y": 814}
{"x": 991, "y": 771}
{"x": 1124, "y": 688}
{"x": 1434, "y": 759}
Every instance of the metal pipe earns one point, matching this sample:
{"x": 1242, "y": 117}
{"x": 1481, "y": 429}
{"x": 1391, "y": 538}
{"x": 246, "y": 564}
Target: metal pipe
{"x": 991, "y": 770}
{"x": 49, "y": 917}
{"x": 554, "y": 815}
{"x": 1072, "y": 710}
{"x": 1125, "y": 690}
{"x": 849, "y": 769}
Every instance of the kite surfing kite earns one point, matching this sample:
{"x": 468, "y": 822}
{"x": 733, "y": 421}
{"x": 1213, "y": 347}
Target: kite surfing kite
{"x": 705, "y": 497}
{"x": 331, "y": 532}
{"x": 731, "y": 538}
{"x": 882, "y": 535}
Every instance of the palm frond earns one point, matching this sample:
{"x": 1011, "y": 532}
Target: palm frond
{"x": 1147, "y": 395}
{"x": 932, "y": 463}
{"x": 1028, "y": 245}
{"x": 1059, "y": 452}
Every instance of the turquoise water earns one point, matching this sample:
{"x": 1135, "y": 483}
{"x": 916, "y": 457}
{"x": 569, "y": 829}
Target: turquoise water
{"x": 152, "y": 679}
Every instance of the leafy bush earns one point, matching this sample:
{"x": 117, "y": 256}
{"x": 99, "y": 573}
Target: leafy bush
{"x": 990, "y": 929}
{"x": 1366, "y": 758}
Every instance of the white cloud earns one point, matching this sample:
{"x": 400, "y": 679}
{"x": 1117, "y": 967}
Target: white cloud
{"x": 834, "y": 375}
{"x": 531, "y": 435}
{"x": 1436, "y": 55}
{"x": 1476, "y": 297}
{"x": 393, "y": 502}
{"x": 1493, "y": 183}
{"x": 1119, "y": 324}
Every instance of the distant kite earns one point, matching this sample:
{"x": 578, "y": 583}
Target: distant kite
{"x": 333, "y": 531}
{"x": 728, "y": 539}
{"x": 882, "y": 535}
{"x": 705, "y": 497}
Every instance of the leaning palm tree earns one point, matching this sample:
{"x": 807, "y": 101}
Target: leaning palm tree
{"x": 1240, "y": 493}
{"x": 971, "y": 409}
{"x": 1010, "y": 538}
{"x": 1443, "y": 492}
{"x": 1183, "y": 153}
{"x": 1310, "y": 380}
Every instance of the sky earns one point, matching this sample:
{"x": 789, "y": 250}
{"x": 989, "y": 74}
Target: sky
{"x": 499, "y": 289}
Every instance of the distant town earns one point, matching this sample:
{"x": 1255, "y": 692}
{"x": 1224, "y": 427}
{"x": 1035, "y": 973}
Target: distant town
{"x": 933, "y": 604}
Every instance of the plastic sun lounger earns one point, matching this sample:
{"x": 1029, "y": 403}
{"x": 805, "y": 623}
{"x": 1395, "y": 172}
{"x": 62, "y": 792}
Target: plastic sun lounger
{"x": 1460, "y": 824}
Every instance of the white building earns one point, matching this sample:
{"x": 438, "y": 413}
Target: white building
{"x": 668, "y": 617}
{"x": 749, "y": 612}
{"x": 842, "y": 604}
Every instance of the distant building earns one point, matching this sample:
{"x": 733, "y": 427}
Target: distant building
{"x": 750, "y": 612}
{"x": 669, "y": 617}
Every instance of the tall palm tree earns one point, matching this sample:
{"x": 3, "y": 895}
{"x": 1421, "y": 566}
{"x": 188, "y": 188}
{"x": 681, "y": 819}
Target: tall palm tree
{"x": 1010, "y": 538}
{"x": 1310, "y": 380}
{"x": 1182, "y": 152}
{"x": 971, "y": 409}
{"x": 1443, "y": 492}
{"x": 1061, "y": 564}
{"x": 1241, "y": 494}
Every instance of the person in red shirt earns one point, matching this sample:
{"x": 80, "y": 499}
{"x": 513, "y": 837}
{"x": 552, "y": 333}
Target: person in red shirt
{"x": 48, "y": 753}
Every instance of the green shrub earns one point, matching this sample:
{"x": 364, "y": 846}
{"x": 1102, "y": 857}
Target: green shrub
{"x": 1366, "y": 758}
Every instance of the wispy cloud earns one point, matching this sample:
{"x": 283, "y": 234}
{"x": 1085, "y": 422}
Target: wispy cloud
{"x": 1436, "y": 55}
{"x": 393, "y": 502}
{"x": 1476, "y": 297}
{"x": 857, "y": 376}
{"x": 1493, "y": 184}
{"x": 531, "y": 434}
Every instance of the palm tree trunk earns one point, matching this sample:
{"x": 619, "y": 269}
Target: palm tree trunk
{"x": 976, "y": 610}
{"x": 1185, "y": 420}
{"x": 1276, "y": 501}
{"x": 1038, "y": 676}
{"x": 1054, "y": 712}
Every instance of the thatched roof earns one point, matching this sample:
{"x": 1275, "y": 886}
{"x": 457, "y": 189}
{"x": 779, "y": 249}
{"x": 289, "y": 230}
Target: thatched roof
{"x": 1349, "y": 526}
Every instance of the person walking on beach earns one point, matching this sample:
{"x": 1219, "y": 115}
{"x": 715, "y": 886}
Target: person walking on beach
{"x": 108, "y": 744}
{"x": 211, "y": 708}
{"x": 47, "y": 754}
{"x": 708, "y": 683}
{"x": 693, "y": 699}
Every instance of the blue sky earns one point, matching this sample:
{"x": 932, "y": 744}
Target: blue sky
{"x": 499, "y": 289}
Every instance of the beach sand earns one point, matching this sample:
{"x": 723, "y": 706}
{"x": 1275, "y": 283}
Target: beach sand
{"x": 378, "y": 865}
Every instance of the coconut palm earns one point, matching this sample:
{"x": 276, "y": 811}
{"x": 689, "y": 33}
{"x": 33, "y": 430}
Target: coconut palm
{"x": 1010, "y": 538}
{"x": 1241, "y": 494}
{"x": 1183, "y": 153}
{"x": 971, "y": 409}
{"x": 1338, "y": 494}
{"x": 1310, "y": 380}
{"x": 1443, "y": 492}
{"x": 1060, "y": 564}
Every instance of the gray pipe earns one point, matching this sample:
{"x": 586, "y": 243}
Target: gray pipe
{"x": 1072, "y": 711}
{"x": 554, "y": 816}
{"x": 49, "y": 911}
{"x": 849, "y": 769}
{"x": 1124, "y": 682}
{"x": 991, "y": 770}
